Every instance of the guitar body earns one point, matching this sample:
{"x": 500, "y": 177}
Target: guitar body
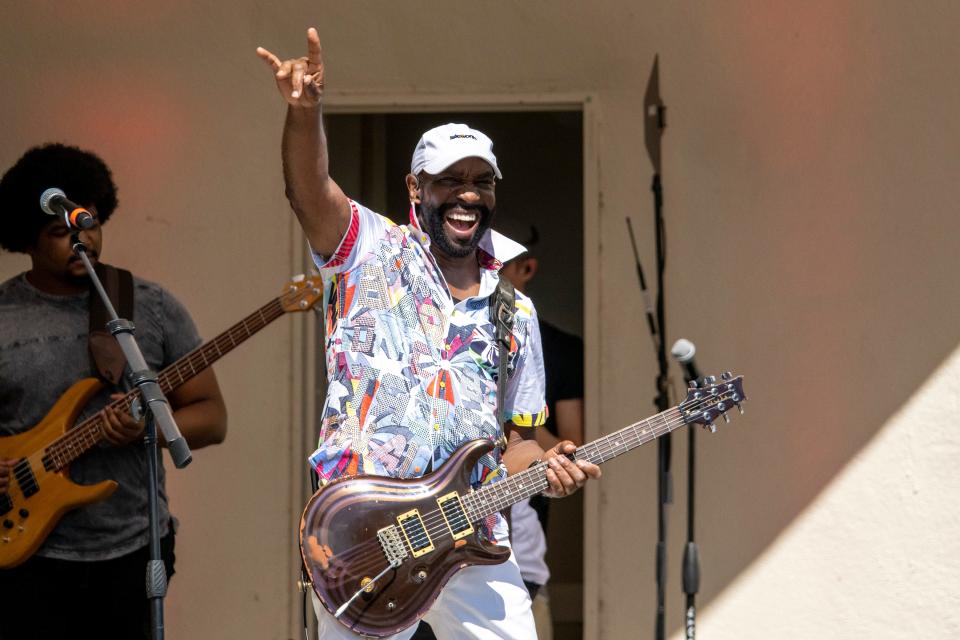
{"x": 342, "y": 552}
{"x": 26, "y": 520}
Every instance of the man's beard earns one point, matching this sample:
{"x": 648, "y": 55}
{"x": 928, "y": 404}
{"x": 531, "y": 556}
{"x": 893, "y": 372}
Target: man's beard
{"x": 432, "y": 220}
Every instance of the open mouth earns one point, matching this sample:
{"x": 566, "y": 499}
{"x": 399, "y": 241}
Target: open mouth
{"x": 461, "y": 223}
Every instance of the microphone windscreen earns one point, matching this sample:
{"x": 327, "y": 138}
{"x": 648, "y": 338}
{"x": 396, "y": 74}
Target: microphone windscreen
{"x": 47, "y": 196}
{"x": 683, "y": 350}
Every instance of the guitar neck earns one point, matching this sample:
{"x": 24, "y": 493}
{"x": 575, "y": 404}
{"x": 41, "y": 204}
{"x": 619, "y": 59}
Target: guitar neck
{"x": 520, "y": 486}
{"x": 88, "y": 433}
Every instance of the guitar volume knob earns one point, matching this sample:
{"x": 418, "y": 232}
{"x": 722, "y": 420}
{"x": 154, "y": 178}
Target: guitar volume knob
{"x": 24, "y": 513}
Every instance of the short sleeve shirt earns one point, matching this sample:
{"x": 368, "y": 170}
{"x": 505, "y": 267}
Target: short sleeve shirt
{"x": 43, "y": 352}
{"x": 412, "y": 373}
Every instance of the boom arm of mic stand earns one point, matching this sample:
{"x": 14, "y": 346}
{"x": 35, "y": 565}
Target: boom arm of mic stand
{"x": 648, "y": 307}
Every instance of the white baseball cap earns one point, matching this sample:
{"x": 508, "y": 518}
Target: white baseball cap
{"x": 449, "y": 143}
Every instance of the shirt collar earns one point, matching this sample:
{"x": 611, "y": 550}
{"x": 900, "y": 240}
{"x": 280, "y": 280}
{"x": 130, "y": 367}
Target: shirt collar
{"x": 496, "y": 249}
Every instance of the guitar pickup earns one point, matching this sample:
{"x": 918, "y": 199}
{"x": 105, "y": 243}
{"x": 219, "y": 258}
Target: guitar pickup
{"x": 24, "y": 475}
{"x": 415, "y": 532}
{"x": 456, "y": 516}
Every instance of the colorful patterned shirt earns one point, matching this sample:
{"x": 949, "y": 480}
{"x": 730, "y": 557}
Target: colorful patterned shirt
{"x": 412, "y": 374}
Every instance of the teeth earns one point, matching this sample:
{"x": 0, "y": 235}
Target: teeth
{"x": 463, "y": 217}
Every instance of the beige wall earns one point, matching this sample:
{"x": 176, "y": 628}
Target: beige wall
{"x": 810, "y": 167}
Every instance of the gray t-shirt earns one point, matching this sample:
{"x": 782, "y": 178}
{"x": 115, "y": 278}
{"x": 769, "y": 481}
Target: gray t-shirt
{"x": 43, "y": 351}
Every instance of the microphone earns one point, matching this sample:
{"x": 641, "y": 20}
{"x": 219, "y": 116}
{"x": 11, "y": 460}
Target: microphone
{"x": 53, "y": 201}
{"x": 684, "y": 350}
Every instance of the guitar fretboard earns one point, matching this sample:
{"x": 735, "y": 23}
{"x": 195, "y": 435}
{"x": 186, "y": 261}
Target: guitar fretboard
{"x": 520, "y": 486}
{"x": 89, "y": 433}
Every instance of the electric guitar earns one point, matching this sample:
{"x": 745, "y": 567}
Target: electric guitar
{"x": 40, "y": 489}
{"x": 379, "y": 550}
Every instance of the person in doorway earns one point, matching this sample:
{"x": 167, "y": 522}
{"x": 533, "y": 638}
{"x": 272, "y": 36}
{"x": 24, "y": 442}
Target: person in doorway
{"x": 563, "y": 364}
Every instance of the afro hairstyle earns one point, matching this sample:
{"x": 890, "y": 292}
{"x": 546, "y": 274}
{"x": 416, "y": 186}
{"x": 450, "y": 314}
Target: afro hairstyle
{"x": 82, "y": 175}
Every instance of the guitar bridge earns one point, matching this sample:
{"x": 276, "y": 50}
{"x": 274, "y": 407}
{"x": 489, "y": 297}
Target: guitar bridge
{"x": 392, "y": 543}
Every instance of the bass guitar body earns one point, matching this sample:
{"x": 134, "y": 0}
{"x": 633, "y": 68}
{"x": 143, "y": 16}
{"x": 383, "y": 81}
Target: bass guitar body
{"x": 379, "y": 550}
{"x": 40, "y": 492}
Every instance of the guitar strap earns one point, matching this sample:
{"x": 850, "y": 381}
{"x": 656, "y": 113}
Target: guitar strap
{"x": 502, "y": 310}
{"x": 106, "y": 357}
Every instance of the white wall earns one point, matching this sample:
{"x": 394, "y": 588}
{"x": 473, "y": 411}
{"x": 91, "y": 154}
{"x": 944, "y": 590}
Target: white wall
{"x": 810, "y": 167}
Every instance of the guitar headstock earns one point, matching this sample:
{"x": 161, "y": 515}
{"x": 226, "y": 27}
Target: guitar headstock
{"x": 301, "y": 293}
{"x": 705, "y": 403}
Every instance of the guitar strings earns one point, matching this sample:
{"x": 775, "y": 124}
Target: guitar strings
{"x": 72, "y": 443}
{"x": 669, "y": 420}
{"x": 375, "y": 558}
{"x": 67, "y": 445}
{"x": 434, "y": 522}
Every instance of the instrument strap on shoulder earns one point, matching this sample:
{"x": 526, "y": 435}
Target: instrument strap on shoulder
{"x": 106, "y": 357}
{"x": 502, "y": 310}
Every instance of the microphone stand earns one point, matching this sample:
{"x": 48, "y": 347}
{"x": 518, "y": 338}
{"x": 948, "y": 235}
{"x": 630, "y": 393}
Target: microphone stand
{"x": 654, "y": 124}
{"x": 691, "y": 554}
{"x": 156, "y": 411}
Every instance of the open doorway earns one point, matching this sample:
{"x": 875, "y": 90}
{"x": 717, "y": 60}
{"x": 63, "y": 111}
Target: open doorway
{"x": 541, "y": 156}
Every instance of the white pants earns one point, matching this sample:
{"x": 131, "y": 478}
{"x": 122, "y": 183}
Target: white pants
{"x": 486, "y": 602}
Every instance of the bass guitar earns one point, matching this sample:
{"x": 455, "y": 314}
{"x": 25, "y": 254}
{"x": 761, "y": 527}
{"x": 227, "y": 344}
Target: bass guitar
{"x": 379, "y": 550}
{"x": 40, "y": 489}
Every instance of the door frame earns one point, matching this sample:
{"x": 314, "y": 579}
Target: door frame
{"x": 304, "y": 347}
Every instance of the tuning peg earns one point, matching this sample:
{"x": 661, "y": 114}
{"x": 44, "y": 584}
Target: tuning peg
{"x": 726, "y": 375}
{"x": 740, "y": 408}
{"x": 726, "y": 418}
{"x": 692, "y": 384}
{"x": 712, "y": 427}
{"x": 710, "y": 379}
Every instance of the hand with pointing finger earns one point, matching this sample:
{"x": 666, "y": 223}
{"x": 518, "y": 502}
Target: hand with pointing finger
{"x": 300, "y": 80}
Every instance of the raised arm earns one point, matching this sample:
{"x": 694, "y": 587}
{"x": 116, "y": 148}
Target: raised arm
{"x": 320, "y": 204}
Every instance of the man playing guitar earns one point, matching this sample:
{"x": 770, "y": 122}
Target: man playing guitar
{"x": 412, "y": 358}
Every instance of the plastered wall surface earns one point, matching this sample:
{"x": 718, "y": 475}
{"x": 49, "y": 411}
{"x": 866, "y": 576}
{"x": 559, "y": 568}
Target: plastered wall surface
{"x": 809, "y": 171}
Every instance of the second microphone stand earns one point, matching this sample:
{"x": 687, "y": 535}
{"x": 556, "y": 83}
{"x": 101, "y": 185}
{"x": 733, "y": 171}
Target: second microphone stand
{"x": 654, "y": 124}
